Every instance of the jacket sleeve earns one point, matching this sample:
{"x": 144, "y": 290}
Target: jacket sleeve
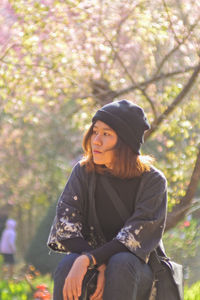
{"x": 68, "y": 220}
{"x": 143, "y": 231}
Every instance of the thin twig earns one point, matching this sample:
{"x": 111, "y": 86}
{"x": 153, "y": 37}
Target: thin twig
{"x": 170, "y": 22}
{"x": 151, "y": 103}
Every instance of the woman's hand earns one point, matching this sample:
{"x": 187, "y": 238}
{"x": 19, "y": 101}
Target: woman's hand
{"x": 73, "y": 282}
{"x": 98, "y": 294}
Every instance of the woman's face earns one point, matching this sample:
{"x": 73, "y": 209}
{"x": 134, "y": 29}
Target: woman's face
{"x": 103, "y": 140}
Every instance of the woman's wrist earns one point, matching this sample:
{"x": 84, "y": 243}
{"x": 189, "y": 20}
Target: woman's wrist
{"x": 84, "y": 260}
{"x": 91, "y": 258}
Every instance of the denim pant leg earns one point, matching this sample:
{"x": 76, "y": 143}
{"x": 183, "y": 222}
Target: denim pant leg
{"x": 127, "y": 278}
{"x": 61, "y": 273}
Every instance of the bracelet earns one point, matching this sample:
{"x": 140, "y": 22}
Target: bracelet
{"x": 91, "y": 259}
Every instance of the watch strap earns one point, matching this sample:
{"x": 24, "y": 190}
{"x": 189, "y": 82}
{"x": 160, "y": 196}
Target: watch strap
{"x": 91, "y": 260}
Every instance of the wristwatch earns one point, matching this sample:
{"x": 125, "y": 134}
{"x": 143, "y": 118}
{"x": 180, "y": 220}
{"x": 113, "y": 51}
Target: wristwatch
{"x": 91, "y": 259}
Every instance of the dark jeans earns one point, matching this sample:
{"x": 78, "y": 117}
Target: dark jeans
{"x": 127, "y": 277}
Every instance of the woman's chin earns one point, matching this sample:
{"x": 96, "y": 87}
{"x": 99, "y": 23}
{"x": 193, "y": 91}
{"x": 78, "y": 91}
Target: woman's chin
{"x": 98, "y": 162}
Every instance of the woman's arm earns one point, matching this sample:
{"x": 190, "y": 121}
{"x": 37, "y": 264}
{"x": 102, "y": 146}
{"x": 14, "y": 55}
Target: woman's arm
{"x": 77, "y": 245}
{"x": 68, "y": 221}
{"x": 101, "y": 254}
{"x": 143, "y": 231}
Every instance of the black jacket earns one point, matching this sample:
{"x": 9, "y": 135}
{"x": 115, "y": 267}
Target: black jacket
{"x": 76, "y": 215}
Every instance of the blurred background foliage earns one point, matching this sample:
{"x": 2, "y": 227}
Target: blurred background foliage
{"x": 59, "y": 62}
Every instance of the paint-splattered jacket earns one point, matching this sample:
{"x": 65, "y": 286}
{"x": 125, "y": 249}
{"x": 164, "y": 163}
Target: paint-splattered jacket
{"x": 76, "y": 215}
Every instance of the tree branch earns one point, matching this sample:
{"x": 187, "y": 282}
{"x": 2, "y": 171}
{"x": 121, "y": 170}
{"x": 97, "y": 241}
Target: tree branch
{"x": 153, "y": 79}
{"x": 128, "y": 73}
{"x": 113, "y": 94}
{"x": 140, "y": 85}
{"x": 170, "y": 22}
{"x": 120, "y": 24}
{"x": 172, "y": 51}
{"x": 181, "y": 12}
{"x": 174, "y": 104}
{"x": 7, "y": 50}
{"x": 124, "y": 18}
{"x": 180, "y": 209}
{"x": 151, "y": 102}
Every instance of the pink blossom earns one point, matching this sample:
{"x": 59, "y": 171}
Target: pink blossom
{"x": 186, "y": 224}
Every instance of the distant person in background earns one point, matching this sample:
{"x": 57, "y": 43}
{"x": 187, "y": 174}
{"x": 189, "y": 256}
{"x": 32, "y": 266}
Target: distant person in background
{"x": 8, "y": 248}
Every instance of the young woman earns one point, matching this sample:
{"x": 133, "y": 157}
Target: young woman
{"x": 88, "y": 222}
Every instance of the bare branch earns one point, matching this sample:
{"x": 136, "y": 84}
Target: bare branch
{"x": 118, "y": 56}
{"x": 172, "y": 51}
{"x": 153, "y": 79}
{"x": 165, "y": 58}
{"x": 174, "y": 104}
{"x": 180, "y": 210}
{"x": 123, "y": 19}
{"x": 170, "y": 22}
{"x": 128, "y": 73}
{"x": 7, "y": 50}
{"x": 142, "y": 85}
{"x": 151, "y": 103}
{"x": 183, "y": 16}
{"x": 120, "y": 24}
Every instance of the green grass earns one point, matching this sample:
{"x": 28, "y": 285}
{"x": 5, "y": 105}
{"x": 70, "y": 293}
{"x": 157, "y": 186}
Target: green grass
{"x": 10, "y": 290}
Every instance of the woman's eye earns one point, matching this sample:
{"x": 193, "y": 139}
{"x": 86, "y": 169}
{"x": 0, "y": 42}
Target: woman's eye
{"x": 94, "y": 132}
{"x": 106, "y": 134}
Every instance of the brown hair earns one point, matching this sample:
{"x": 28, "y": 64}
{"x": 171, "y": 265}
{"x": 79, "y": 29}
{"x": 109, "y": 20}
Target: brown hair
{"x": 125, "y": 164}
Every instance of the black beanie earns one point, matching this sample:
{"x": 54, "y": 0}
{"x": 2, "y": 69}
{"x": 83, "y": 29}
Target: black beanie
{"x": 127, "y": 120}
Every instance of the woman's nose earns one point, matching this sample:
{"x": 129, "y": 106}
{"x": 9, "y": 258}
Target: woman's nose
{"x": 97, "y": 140}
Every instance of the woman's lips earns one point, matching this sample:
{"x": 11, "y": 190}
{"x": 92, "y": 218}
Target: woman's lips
{"x": 96, "y": 152}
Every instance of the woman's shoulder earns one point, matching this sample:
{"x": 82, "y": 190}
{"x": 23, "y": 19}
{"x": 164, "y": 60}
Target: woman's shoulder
{"x": 80, "y": 171}
{"x": 155, "y": 174}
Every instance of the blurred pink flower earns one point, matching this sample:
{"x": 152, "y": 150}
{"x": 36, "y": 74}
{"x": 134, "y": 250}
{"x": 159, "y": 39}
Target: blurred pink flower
{"x": 186, "y": 224}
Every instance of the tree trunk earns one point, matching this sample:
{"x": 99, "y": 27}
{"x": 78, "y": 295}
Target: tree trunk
{"x": 180, "y": 209}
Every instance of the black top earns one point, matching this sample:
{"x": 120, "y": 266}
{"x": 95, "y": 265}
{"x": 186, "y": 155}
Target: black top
{"x": 108, "y": 217}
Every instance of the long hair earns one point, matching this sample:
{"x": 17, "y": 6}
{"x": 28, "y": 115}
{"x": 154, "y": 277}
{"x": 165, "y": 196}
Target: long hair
{"x": 125, "y": 164}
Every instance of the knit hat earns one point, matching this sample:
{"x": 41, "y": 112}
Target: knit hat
{"x": 127, "y": 120}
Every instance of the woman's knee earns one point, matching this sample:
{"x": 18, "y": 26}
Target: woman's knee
{"x": 126, "y": 277}
{"x": 125, "y": 264}
{"x": 124, "y": 260}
